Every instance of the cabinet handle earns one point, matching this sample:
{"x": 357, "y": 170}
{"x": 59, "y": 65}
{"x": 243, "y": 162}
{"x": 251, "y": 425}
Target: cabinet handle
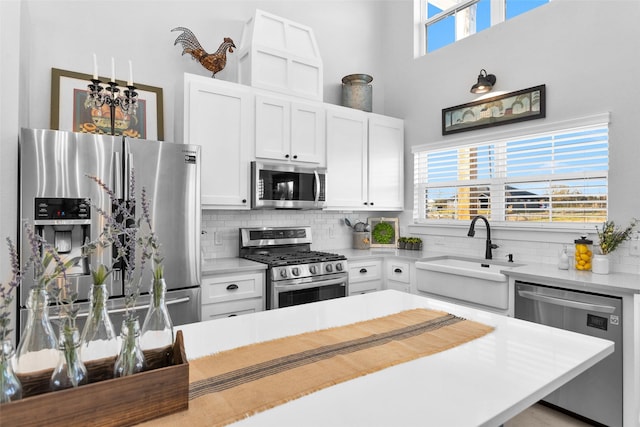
{"x": 363, "y": 270}
{"x": 232, "y": 315}
{"x": 244, "y": 200}
{"x": 397, "y": 270}
{"x": 232, "y": 287}
{"x": 286, "y": 156}
{"x": 295, "y": 156}
{"x": 366, "y": 203}
{"x": 371, "y": 203}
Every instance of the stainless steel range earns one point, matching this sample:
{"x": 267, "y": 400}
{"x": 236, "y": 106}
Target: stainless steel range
{"x": 296, "y": 274}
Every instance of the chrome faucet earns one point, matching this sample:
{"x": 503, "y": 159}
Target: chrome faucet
{"x": 472, "y": 232}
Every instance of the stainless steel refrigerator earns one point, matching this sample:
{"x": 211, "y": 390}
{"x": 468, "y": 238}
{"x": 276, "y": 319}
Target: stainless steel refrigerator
{"x": 61, "y": 202}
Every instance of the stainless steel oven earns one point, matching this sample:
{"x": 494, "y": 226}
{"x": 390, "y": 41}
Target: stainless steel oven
{"x": 295, "y": 274}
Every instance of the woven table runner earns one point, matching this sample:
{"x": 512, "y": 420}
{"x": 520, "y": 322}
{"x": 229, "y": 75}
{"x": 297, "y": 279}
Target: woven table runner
{"x": 234, "y": 384}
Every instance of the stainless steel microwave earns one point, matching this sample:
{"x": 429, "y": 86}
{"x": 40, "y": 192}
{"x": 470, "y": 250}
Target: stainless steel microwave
{"x": 281, "y": 186}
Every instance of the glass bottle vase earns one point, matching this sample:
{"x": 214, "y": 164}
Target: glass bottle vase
{"x": 70, "y": 371}
{"x": 10, "y": 387}
{"x": 38, "y": 348}
{"x": 99, "y": 338}
{"x": 157, "y": 329}
{"x": 130, "y": 359}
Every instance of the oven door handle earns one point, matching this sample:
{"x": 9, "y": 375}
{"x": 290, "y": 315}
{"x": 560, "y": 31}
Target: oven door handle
{"x": 315, "y": 284}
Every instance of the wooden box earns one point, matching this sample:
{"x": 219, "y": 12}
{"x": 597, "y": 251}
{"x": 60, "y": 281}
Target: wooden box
{"x": 160, "y": 390}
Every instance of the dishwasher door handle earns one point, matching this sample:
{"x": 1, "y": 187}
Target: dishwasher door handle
{"x": 567, "y": 303}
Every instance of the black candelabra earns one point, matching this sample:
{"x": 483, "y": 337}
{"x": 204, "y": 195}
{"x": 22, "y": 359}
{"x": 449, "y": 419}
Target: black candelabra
{"x": 99, "y": 95}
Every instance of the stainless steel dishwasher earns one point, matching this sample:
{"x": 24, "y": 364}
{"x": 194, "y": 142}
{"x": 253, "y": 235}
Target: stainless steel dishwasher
{"x": 595, "y": 394}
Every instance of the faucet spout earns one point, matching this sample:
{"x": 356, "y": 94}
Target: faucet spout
{"x": 488, "y": 245}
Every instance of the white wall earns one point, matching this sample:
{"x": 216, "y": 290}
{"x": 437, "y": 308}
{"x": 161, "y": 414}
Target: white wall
{"x": 587, "y": 54}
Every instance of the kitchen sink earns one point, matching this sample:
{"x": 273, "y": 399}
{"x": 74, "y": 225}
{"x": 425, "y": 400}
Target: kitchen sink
{"x": 476, "y": 282}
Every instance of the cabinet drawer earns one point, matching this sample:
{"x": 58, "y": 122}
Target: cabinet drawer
{"x": 232, "y": 308}
{"x": 366, "y": 270}
{"x": 228, "y": 288}
{"x": 365, "y": 287}
{"x": 398, "y": 271}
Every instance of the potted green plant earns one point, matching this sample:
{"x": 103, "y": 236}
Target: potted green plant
{"x": 415, "y": 243}
{"x": 609, "y": 237}
{"x": 402, "y": 242}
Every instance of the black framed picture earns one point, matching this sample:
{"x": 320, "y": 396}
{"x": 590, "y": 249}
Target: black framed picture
{"x": 512, "y": 107}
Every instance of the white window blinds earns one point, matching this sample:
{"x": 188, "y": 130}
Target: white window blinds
{"x": 557, "y": 176}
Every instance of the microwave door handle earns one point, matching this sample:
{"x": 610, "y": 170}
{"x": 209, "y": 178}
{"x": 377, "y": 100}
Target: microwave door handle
{"x": 317, "y": 185}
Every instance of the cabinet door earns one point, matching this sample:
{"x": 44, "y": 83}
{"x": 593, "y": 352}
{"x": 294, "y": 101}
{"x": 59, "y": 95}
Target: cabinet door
{"x": 307, "y": 133}
{"x": 273, "y": 128}
{"x": 218, "y": 117}
{"x": 346, "y": 159}
{"x": 386, "y": 163}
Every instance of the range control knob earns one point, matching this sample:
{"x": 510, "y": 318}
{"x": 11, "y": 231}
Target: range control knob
{"x": 295, "y": 271}
{"x": 329, "y": 268}
{"x": 339, "y": 266}
{"x": 283, "y": 273}
{"x": 313, "y": 269}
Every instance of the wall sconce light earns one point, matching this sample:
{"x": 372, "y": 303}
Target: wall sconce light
{"x": 485, "y": 82}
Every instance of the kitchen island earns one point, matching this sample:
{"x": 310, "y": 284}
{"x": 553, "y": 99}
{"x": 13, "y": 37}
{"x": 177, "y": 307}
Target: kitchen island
{"x": 483, "y": 382}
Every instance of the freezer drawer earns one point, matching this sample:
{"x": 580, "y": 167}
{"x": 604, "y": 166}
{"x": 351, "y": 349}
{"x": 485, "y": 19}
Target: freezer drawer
{"x": 183, "y": 305}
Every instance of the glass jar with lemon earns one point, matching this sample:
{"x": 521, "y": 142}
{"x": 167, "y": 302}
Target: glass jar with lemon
{"x": 584, "y": 253}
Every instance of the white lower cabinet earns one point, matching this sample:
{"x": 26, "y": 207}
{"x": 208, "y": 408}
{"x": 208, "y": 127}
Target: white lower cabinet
{"x": 398, "y": 274}
{"x": 365, "y": 276}
{"x": 227, "y": 295}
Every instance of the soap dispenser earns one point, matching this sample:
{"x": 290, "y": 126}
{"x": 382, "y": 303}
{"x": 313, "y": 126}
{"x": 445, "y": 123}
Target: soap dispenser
{"x": 563, "y": 261}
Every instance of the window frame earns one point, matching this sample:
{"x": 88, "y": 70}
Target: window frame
{"x": 521, "y": 132}
{"x": 497, "y": 12}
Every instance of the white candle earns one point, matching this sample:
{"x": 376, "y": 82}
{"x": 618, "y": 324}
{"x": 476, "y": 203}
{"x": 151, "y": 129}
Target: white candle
{"x": 130, "y": 81}
{"x": 113, "y": 69}
{"x": 95, "y": 67}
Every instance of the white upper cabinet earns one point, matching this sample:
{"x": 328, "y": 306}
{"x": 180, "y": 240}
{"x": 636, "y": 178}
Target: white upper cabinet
{"x": 365, "y": 161}
{"x": 289, "y": 131}
{"x": 386, "y": 163}
{"x": 218, "y": 116}
{"x": 346, "y": 159}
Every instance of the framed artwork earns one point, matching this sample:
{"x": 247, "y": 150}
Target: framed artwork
{"x": 68, "y": 111}
{"x": 384, "y": 232}
{"x": 525, "y": 104}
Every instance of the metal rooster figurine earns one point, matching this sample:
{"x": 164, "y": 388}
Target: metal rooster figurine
{"x": 214, "y": 62}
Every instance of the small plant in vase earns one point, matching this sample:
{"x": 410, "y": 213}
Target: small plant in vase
{"x": 402, "y": 242}
{"x": 157, "y": 329}
{"x": 609, "y": 238}
{"x": 10, "y": 387}
{"x": 122, "y": 232}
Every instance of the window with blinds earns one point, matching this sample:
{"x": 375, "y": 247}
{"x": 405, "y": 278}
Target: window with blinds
{"x": 551, "y": 177}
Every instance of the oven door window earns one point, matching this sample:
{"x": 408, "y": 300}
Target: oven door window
{"x": 286, "y": 186}
{"x": 318, "y": 293}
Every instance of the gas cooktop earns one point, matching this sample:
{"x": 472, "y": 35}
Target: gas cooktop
{"x": 293, "y": 258}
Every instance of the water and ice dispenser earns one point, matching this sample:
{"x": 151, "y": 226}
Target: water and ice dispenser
{"x": 65, "y": 223}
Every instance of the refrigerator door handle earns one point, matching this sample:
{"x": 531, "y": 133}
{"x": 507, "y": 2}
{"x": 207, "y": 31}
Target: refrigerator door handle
{"x": 116, "y": 184}
{"x": 123, "y": 309}
{"x": 128, "y": 167}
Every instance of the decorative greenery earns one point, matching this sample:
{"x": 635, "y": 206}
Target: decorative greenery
{"x": 383, "y": 233}
{"x": 611, "y": 236}
{"x": 123, "y": 232}
{"x": 7, "y": 292}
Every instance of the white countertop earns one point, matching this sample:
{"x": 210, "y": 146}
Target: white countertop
{"x": 230, "y": 265}
{"x": 581, "y": 280}
{"x": 484, "y": 382}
